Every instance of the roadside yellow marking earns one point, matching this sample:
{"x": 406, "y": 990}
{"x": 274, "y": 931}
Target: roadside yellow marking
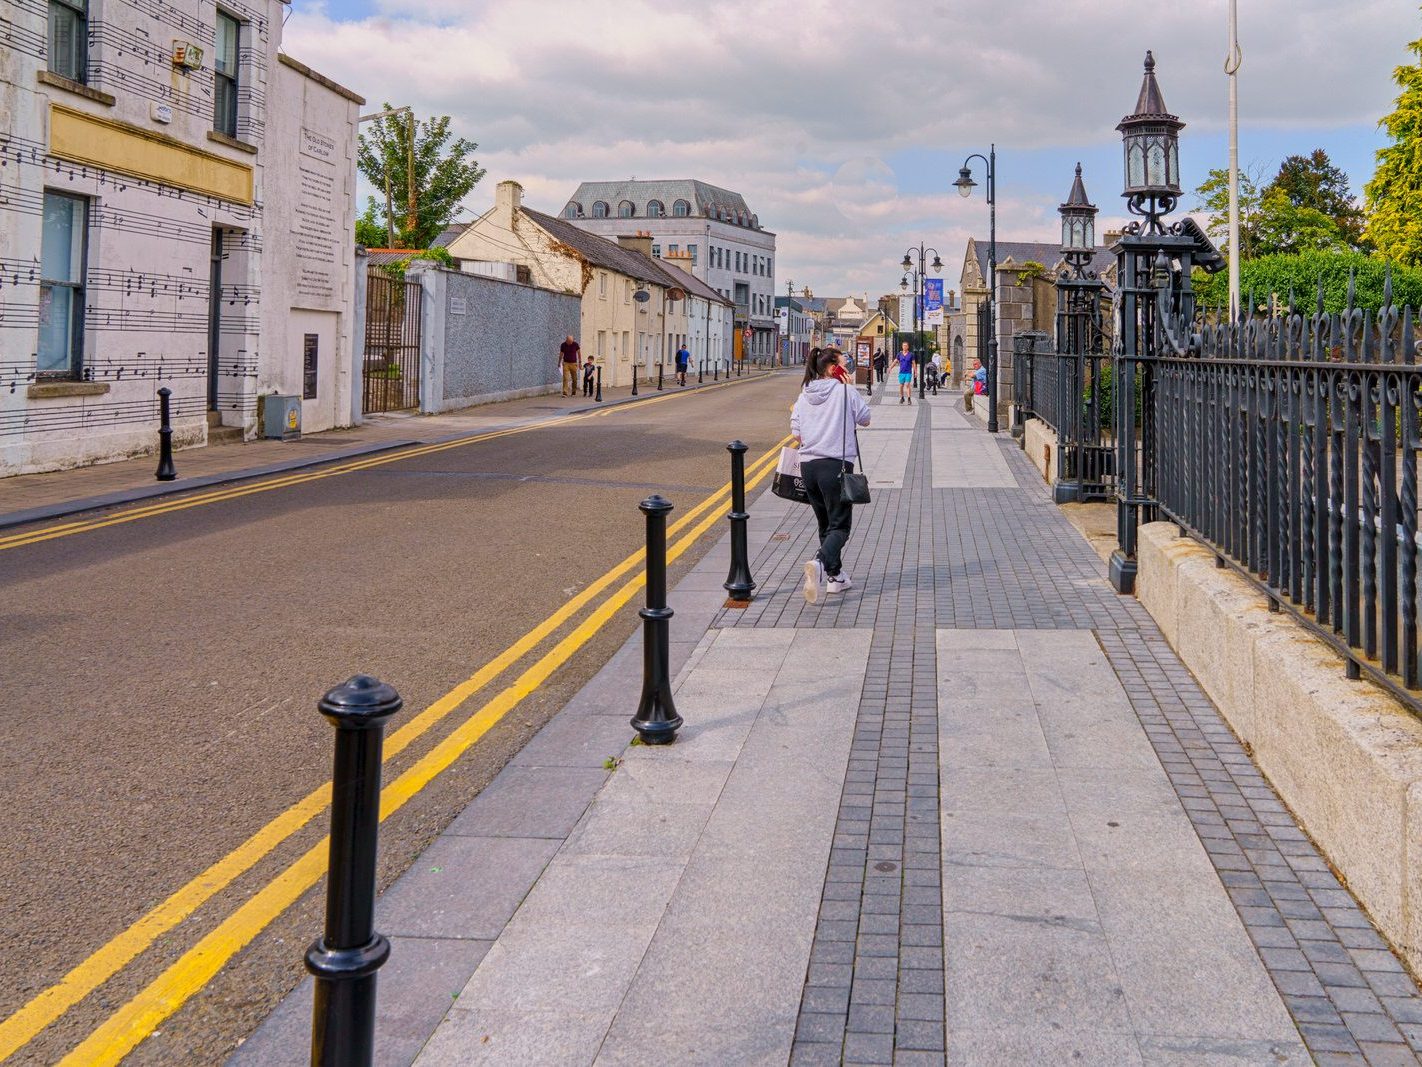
{"x": 21, "y": 1027}
{"x": 67, "y": 529}
{"x": 121, "y": 1032}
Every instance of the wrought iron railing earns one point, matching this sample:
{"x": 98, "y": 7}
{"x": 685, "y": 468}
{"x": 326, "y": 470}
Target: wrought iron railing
{"x": 1289, "y": 445}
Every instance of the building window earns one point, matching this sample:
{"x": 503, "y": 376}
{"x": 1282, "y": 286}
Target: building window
{"x": 681, "y": 209}
{"x": 602, "y": 285}
{"x": 626, "y": 210}
{"x": 692, "y": 250}
{"x": 656, "y": 250}
{"x": 224, "y": 75}
{"x": 572, "y": 211}
{"x": 627, "y": 291}
{"x": 69, "y": 38}
{"x": 599, "y": 209}
{"x": 672, "y": 249}
{"x": 655, "y": 209}
{"x": 61, "y": 307}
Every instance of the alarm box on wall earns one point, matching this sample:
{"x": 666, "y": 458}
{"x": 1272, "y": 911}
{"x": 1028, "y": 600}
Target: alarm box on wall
{"x": 281, "y": 417}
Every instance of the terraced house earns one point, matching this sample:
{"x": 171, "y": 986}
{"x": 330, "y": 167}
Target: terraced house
{"x": 175, "y": 203}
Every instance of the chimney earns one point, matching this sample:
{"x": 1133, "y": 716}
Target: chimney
{"x": 1110, "y": 237}
{"x": 508, "y": 199}
{"x": 640, "y": 242}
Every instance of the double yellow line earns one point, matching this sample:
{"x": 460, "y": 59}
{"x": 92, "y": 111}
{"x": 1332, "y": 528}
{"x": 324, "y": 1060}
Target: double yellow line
{"x": 146, "y": 511}
{"x": 122, "y": 1031}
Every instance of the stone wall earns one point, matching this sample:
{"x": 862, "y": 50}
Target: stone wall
{"x": 484, "y": 339}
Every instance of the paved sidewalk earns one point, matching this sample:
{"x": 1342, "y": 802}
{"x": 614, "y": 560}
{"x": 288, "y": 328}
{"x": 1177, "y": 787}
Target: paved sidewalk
{"x": 33, "y": 497}
{"x": 972, "y": 811}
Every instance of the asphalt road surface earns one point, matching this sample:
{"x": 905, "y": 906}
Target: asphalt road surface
{"x": 160, "y": 679}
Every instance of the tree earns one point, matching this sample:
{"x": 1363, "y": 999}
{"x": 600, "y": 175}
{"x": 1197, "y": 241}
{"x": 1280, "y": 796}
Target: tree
{"x": 443, "y": 176}
{"x": 1394, "y": 196}
{"x": 1282, "y": 227}
{"x": 370, "y": 226}
{"x": 1213, "y": 193}
{"x": 1312, "y": 182}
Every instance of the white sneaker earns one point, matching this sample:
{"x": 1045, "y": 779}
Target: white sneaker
{"x": 838, "y": 584}
{"x": 814, "y": 581}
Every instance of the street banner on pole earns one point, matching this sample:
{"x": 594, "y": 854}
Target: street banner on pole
{"x": 933, "y": 301}
{"x": 784, "y": 316}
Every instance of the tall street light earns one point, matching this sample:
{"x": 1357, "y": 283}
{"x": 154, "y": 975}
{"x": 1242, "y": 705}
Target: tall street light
{"x": 965, "y": 186}
{"x": 908, "y": 265}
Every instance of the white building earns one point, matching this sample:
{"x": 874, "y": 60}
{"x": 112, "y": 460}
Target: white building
{"x": 727, "y": 247}
{"x": 710, "y": 317}
{"x": 176, "y": 205}
{"x": 797, "y": 329}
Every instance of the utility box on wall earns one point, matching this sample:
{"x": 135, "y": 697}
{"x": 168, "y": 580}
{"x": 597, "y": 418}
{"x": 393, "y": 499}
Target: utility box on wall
{"x": 281, "y": 417}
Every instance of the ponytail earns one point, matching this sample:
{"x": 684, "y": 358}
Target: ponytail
{"x": 812, "y": 367}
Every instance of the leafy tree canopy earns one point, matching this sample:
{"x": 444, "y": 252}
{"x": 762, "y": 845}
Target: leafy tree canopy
{"x": 1213, "y": 194}
{"x": 1313, "y": 183}
{"x": 442, "y": 172}
{"x": 1394, "y": 196}
{"x": 1277, "y": 275}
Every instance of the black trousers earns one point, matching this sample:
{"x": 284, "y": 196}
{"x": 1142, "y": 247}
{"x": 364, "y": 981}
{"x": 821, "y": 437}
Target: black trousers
{"x": 587, "y": 386}
{"x": 833, "y": 513}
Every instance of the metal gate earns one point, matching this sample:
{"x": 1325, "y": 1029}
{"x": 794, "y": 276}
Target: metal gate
{"x": 390, "y": 375}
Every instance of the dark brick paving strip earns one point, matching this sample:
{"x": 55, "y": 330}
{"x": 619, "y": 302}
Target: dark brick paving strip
{"x": 1008, "y": 559}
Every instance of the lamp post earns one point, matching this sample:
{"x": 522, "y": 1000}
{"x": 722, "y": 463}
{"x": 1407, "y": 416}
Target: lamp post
{"x": 1078, "y": 335}
{"x": 789, "y": 321}
{"x": 965, "y": 185}
{"x": 908, "y": 266}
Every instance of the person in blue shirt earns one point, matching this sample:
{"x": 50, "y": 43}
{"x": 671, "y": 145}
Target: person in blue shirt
{"x": 979, "y": 378}
{"x": 905, "y": 358}
{"x": 683, "y": 357}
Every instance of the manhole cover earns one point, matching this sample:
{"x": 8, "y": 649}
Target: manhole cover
{"x": 886, "y": 866}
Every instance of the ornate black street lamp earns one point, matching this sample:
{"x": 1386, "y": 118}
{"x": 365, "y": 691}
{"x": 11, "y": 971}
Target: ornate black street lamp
{"x": 965, "y": 185}
{"x": 908, "y": 266}
{"x": 1151, "y": 139}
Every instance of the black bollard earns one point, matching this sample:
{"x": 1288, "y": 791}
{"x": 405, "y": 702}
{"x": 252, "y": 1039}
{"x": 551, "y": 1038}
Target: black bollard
{"x": 869, "y": 381}
{"x": 345, "y": 958}
{"x": 701, "y": 372}
{"x": 738, "y": 580}
{"x": 598, "y": 398}
{"x": 656, "y": 720}
{"x": 634, "y": 379}
{"x": 659, "y": 377}
{"x": 166, "y": 471}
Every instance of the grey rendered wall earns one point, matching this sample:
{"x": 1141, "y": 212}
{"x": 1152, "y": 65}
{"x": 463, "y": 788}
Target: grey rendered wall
{"x": 500, "y": 339}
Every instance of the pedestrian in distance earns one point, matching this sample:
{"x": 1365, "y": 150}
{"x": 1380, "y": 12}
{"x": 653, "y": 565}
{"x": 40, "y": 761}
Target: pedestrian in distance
{"x": 979, "y": 378}
{"x": 569, "y": 356}
{"x": 683, "y": 360}
{"x": 822, "y": 426}
{"x": 905, "y": 358}
{"x": 881, "y": 364}
{"x": 589, "y": 375}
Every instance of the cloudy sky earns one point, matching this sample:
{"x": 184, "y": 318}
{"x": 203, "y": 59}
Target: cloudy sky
{"x": 844, "y": 123}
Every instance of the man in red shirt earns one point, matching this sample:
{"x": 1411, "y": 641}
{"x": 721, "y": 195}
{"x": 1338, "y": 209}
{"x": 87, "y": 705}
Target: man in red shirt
{"x": 570, "y": 358}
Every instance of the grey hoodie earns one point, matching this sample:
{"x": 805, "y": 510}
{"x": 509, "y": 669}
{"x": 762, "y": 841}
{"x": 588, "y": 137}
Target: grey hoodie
{"x": 820, "y": 419}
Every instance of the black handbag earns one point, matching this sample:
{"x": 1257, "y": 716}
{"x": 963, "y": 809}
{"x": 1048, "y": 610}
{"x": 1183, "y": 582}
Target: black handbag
{"x": 853, "y": 486}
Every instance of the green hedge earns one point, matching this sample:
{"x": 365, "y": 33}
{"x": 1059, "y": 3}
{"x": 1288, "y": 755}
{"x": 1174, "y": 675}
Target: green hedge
{"x": 1277, "y": 274}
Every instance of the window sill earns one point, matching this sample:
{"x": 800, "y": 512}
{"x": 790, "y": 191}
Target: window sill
{"x": 54, "y": 390}
{"x": 44, "y": 77}
{"x": 232, "y": 142}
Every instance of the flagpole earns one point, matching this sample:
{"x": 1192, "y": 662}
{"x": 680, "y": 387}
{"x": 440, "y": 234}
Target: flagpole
{"x": 1232, "y": 63}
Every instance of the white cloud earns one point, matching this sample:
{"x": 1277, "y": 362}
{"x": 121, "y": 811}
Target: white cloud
{"x": 798, "y": 105}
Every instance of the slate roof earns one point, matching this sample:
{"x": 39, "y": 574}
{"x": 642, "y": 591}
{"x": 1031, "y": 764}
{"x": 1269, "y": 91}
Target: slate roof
{"x": 601, "y": 252}
{"x": 449, "y": 233}
{"x": 706, "y": 200}
{"x": 1049, "y": 255}
{"x": 692, "y": 284}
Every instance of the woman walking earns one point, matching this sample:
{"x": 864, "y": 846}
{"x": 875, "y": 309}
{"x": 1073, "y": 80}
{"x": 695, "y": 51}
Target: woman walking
{"x": 823, "y": 423}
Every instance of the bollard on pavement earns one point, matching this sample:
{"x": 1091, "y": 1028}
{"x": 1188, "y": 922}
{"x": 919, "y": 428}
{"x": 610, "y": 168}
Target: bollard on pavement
{"x": 739, "y": 583}
{"x": 701, "y": 372}
{"x": 166, "y": 471}
{"x": 659, "y": 377}
{"x": 656, "y": 721}
{"x": 634, "y": 379}
{"x": 716, "y": 371}
{"x": 598, "y": 398}
{"x": 345, "y": 958}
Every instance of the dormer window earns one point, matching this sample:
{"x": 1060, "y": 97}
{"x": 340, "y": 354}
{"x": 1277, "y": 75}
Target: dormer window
{"x": 626, "y": 210}
{"x": 681, "y": 209}
{"x": 599, "y": 209}
{"x": 655, "y": 209}
{"x": 573, "y": 210}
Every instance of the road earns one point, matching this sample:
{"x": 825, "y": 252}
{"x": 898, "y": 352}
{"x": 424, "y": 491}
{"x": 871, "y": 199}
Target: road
{"x": 161, "y": 678}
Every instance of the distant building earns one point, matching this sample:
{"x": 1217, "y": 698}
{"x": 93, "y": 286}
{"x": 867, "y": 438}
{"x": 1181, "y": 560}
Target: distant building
{"x": 726, "y": 245}
{"x": 798, "y": 329}
{"x": 624, "y": 334}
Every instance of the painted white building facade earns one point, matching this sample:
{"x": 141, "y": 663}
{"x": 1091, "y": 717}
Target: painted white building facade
{"x": 727, "y": 247}
{"x": 176, "y": 204}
